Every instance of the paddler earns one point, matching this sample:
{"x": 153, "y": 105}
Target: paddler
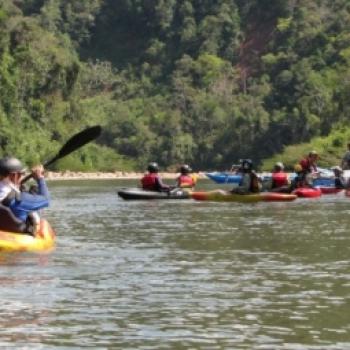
{"x": 24, "y": 205}
{"x": 151, "y": 181}
{"x": 339, "y": 180}
{"x": 279, "y": 179}
{"x": 186, "y": 180}
{"x": 250, "y": 182}
{"x": 309, "y": 163}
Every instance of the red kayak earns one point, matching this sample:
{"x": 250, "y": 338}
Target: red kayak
{"x": 308, "y": 192}
{"x": 330, "y": 190}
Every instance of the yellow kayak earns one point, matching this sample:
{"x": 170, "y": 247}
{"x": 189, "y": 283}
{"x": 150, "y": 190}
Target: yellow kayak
{"x": 44, "y": 240}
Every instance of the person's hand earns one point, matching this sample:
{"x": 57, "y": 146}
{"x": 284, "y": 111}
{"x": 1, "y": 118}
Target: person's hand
{"x": 38, "y": 172}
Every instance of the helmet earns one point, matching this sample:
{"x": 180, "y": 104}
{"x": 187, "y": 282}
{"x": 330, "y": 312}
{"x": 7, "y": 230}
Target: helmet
{"x": 337, "y": 168}
{"x": 153, "y": 167}
{"x": 313, "y": 153}
{"x": 185, "y": 169}
{"x": 298, "y": 168}
{"x": 10, "y": 165}
{"x": 279, "y": 165}
{"x": 246, "y": 164}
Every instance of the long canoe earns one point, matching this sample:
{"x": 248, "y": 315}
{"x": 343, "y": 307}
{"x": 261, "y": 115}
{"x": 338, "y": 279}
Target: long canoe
{"x": 140, "y": 194}
{"x": 223, "y": 196}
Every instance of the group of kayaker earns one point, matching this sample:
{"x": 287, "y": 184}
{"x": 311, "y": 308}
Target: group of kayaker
{"x": 306, "y": 171}
{"x": 23, "y": 204}
{"x": 152, "y": 181}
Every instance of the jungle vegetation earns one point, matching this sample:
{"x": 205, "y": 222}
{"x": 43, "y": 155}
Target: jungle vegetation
{"x": 196, "y": 81}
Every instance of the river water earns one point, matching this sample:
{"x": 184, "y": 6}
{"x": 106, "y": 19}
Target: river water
{"x": 181, "y": 274}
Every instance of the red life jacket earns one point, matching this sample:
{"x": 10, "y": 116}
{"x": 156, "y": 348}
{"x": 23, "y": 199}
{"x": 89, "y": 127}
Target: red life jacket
{"x": 308, "y": 166}
{"x": 185, "y": 181}
{"x": 279, "y": 179}
{"x": 149, "y": 182}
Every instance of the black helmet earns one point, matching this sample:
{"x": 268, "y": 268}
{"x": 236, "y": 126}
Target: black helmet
{"x": 246, "y": 164}
{"x": 153, "y": 167}
{"x": 185, "y": 169}
{"x": 10, "y": 165}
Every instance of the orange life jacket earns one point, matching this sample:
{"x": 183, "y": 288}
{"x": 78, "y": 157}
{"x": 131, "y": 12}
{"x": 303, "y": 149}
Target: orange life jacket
{"x": 185, "y": 181}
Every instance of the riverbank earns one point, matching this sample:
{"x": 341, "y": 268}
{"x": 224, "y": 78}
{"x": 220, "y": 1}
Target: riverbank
{"x": 121, "y": 175}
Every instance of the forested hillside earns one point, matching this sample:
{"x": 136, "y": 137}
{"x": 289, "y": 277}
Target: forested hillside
{"x": 197, "y": 81}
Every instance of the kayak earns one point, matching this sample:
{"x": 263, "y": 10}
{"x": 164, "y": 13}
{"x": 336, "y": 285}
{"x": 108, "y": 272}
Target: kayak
{"x": 308, "y": 192}
{"x": 330, "y": 190}
{"x": 222, "y": 196}
{"x": 224, "y": 178}
{"x": 230, "y": 178}
{"x": 44, "y": 240}
{"x": 140, "y": 194}
{"x": 323, "y": 182}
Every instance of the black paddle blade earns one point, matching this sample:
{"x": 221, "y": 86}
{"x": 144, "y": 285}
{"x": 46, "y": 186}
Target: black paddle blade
{"x": 76, "y": 141}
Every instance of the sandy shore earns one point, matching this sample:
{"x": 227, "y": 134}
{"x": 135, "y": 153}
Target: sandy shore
{"x": 71, "y": 175}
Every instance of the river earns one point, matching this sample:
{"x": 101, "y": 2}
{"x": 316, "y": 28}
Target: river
{"x": 181, "y": 274}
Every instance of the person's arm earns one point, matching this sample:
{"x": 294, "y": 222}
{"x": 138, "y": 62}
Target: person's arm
{"x": 161, "y": 185}
{"x": 32, "y": 202}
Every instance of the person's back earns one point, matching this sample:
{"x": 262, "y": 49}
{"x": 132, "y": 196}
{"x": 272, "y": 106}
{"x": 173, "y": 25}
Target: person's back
{"x": 186, "y": 180}
{"x": 309, "y": 164}
{"x": 301, "y": 179}
{"x": 149, "y": 182}
{"x": 152, "y": 181}
{"x": 249, "y": 182}
{"x": 279, "y": 181}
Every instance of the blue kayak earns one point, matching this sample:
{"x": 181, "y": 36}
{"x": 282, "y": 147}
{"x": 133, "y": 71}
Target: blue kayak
{"x": 324, "y": 182}
{"x": 230, "y": 178}
{"x": 224, "y": 178}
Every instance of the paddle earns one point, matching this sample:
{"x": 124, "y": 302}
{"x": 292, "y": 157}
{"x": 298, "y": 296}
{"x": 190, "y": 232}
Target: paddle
{"x": 76, "y": 141}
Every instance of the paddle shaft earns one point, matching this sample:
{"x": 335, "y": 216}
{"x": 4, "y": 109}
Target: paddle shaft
{"x": 75, "y": 142}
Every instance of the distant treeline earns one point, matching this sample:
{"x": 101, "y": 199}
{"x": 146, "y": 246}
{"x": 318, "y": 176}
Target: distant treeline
{"x": 198, "y": 81}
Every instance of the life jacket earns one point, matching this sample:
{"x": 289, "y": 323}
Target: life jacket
{"x": 185, "y": 181}
{"x": 255, "y": 185}
{"x": 149, "y": 182}
{"x": 307, "y": 166}
{"x": 279, "y": 179}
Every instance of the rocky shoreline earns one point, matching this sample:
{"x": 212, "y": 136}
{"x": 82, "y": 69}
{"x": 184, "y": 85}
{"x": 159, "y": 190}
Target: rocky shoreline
{"x": 71, "y": 175}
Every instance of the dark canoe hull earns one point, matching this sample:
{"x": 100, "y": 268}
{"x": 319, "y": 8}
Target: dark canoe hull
{"x": 139, "y": 194}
